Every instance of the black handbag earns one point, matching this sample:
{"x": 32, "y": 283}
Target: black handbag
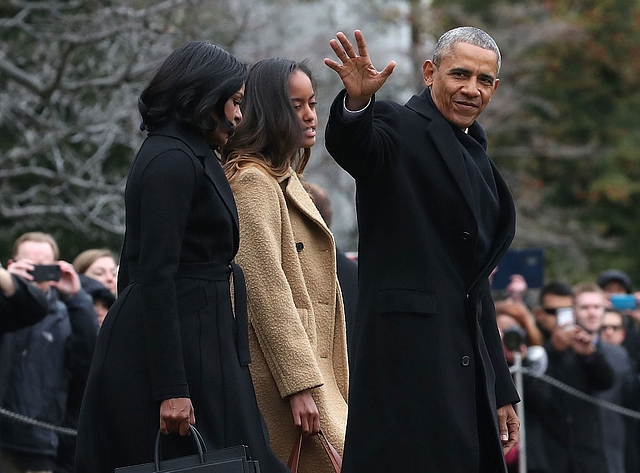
{"x": 225, "y": 460}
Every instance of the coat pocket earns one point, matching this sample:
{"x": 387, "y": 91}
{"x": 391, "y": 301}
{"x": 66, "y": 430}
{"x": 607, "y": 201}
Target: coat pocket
{"x": 405, "y": 300}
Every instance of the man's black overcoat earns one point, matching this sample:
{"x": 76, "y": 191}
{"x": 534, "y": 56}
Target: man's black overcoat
{"x": 172, "y": 332}
{"x": 427, "y": 366}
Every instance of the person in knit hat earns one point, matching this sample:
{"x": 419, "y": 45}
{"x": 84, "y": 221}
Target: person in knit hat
{"x": 614, "y": 281}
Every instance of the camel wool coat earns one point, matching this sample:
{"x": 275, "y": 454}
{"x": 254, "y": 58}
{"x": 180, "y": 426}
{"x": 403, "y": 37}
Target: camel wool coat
{"x": 297, "y": 334}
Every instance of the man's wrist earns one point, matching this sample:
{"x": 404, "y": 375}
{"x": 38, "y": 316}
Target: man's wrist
{"x": 355, "y": 106}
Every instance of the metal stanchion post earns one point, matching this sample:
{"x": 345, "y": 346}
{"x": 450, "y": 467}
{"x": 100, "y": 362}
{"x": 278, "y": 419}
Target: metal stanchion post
{"x": 522, "y": 444}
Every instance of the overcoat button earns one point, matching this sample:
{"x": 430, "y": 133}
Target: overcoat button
{"x": 466, "y": 235}
{"x": 465, "y": 360}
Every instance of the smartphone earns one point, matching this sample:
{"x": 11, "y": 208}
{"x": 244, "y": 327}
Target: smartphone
{"x": 46, "y": 272}
{"x": 623, "y": 301}
{"x": 565, "y": 317}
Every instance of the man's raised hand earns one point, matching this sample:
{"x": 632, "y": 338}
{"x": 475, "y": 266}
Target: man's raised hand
{"x": 360, "y": 78}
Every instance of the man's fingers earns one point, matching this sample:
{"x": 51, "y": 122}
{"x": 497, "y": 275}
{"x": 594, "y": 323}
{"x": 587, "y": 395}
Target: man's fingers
{"x": 333, "y": 65}
{"x": 504, "y": 434}
{"x": 362, "y": 44}
{"x": 514, "y": 432}
{"x": 338, "y": 50}
{"x": 346, "y": 45}
{"x": 386, "y": 72}
{"x": 510, "y": 439}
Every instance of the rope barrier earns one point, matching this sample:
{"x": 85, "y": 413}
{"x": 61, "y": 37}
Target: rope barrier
{"x": 37, "y": 423}
{"x": 580, "y": 395}
{"x": 543, "y": 377}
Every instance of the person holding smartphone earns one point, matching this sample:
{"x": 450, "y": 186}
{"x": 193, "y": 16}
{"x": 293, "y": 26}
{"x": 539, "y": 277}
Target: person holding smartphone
{"x": 617, "y": 286}
{"x": 590, "y": 309}
{"x": 572, "y": 427}
{"x": 44, "y": 367}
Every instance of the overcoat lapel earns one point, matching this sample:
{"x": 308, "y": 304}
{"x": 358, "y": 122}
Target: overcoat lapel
{"x": 214, "y": 172}
{"x": 212, "y": 169}
{"x": 445, "y": 140}
{"x": 299, "y": 196}
{"x": 506, "y": 225}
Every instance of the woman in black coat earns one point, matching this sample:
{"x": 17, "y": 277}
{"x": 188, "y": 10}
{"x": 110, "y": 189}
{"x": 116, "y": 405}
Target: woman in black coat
{"x": 170, "y": 351}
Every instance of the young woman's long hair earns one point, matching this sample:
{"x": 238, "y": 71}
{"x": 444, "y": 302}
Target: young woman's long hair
{"x": 195, "y": 80}
{"x": 270, "y": 133}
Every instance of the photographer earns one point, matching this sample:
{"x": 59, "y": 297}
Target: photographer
{"x": 618, "y": 289}
{"x": 572, "y": 426}
{"x": 590, "y": 303}
{"x": 520, "y": 335}
{"x": 43, "y": 367}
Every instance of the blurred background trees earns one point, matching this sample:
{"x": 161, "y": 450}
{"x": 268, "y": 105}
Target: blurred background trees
{"x": 562, "y": 127}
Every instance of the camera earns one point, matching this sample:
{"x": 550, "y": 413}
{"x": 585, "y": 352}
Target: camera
{"x": 513, "y": 338}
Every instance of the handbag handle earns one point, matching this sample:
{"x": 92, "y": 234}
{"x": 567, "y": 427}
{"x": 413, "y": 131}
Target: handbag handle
{"x": 332, "y": 453}
{"x": 198, "y": 440}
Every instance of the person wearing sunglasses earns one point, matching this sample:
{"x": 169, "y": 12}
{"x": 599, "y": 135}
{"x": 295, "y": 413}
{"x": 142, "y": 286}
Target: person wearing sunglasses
{"x": 571, "y": 427}
{"x": 612, "y": 328}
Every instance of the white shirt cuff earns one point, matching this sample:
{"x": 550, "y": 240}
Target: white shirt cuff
{"x": 354, "y": 112}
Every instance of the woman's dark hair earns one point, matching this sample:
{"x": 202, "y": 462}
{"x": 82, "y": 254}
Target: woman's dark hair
{"x": 196, "y": 79}
{"x": 270, "y": 133}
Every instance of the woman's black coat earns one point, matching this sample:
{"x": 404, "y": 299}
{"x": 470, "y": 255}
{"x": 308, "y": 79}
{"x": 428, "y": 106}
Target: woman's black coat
{"x": 172, "y": 332}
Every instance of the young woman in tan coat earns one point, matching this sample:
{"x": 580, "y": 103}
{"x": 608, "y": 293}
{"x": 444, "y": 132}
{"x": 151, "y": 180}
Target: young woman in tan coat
{"x": 297, "y": 327}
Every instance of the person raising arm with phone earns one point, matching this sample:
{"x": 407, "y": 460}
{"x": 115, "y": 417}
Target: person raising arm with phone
{"x": 45, "y": 364}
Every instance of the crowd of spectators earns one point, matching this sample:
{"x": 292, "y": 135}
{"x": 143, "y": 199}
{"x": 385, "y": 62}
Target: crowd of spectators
{"x": 568, "y": 364}
{"x": 580, "y": 370}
